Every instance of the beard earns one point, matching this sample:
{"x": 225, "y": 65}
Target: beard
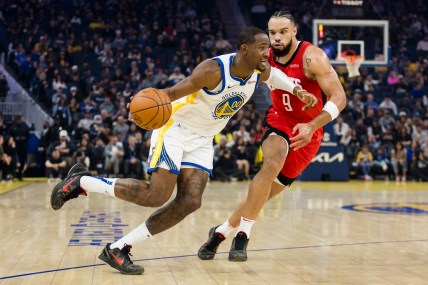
{"x": 282, "y": 52}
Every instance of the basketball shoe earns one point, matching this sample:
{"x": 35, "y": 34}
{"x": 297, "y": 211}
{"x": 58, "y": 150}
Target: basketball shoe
{"x": 209, "y": 249}
{"x": 120, "y": 260}
{"x": 238, "y": 251}
{"x": 69, "y": 188}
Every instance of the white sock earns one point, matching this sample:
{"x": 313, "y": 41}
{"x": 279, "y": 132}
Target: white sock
{"x": 245, "y": 226}
{"x": 98, "y": 184}
{"x": 225, "y": 229}
{"x": 136, "y": 235}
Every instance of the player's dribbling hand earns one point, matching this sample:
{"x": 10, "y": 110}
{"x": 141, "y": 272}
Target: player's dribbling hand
{"x": 303, "y": 137}
{"x": 310, "y": 99}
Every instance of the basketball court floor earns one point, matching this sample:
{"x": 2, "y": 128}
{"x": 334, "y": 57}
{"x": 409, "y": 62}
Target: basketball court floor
{"x": 314, "y": 233}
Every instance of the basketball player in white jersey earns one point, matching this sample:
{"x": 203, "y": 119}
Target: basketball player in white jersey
{"x": 182, "y": 151}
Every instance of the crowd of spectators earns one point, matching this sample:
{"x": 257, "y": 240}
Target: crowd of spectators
{"x": 82, "y": 60}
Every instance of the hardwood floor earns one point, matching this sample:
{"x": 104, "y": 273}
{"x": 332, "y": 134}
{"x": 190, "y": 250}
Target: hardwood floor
{"x": 314, "y": 233}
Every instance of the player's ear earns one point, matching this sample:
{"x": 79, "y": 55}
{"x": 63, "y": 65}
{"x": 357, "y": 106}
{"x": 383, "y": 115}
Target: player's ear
{"x": 244, "y": 48}
{"x": 294, "y": 31}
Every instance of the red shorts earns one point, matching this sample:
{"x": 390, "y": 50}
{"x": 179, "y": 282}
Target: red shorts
{"x": 296, "y": 161}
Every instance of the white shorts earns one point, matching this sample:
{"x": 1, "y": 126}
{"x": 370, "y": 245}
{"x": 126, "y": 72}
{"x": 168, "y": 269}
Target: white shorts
{"x": 174, "y": 147}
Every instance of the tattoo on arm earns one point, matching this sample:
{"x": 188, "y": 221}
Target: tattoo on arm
{"x": 306, "y": 71}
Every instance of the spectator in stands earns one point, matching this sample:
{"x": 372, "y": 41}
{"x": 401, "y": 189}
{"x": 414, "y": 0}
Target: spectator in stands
{"x": 132, "y": 159}
{"x": 176, "y": 76}
{"x": 370, "y": 83}
{"x": 386, "y": 120}
{"x": 20, "y": 133}
{"x": 121, "y": 126}
{"x": 221, "y": 44}
{"x": 242, "y": 133}
{"x": 419, "y": 90}
{"x": 340, "y": 128}
{"x": 96, "y": 127}
{"x": 114, "y": 156}
{"x": 356, "y": 104}
{"x": 63, "y": 111}
{"x": 225, "y": 169}
{"x": 83, "y": 152}
{"x": 58, "y": 83}
{"x": 108, "y": 105}
{"x": 387, "y": 103}
{"x": 55, "y": 166}
{"x": 361, "y": 131}
{"x": 240, "y": 152}
{"x": 88, "y": 106}
{"x": 257, "y": 132}
{"x": 84, "y": 125}
{"x": 370, "y": 103}
{"x": 422, "y": 45}
{"x": 399, "y": 161}
{"x": 419, "y": 134}
{"x": 220, "y": 148}
{"x": 74, "y": 111}
{"x": 3, "y": 126}
{"x": 148, "y": 81}
{"x": 64, "y": 146}
{"x": 10, "y": 160}
{"x": 393, "y": 78}
{"x": 420, "y": 171}
{"x": 98, "y": 157}
{"x": 364, "y": 161}
{"x": 404, "y": 137}
{"x": 381, "y": 163}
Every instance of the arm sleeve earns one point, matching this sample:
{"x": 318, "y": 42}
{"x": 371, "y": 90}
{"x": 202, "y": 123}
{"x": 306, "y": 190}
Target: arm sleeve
{"x": 279, "y": 80}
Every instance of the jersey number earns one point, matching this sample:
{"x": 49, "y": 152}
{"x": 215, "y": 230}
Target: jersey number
{"x": 286, "y": 102}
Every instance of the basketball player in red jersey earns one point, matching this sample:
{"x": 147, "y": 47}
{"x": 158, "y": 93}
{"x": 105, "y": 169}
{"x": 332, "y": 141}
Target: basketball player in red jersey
{"x": 292, "y": 135}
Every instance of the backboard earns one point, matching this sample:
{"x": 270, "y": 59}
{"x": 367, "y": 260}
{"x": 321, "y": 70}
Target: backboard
{"x": 368, "y": 38}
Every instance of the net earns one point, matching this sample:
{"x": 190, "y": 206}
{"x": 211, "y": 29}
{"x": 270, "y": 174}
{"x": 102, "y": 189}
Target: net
{"x": 353, "y": 62}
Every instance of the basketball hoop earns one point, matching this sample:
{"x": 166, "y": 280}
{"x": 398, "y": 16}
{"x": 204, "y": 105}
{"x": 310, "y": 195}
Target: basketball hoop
{"x": 353, "y": 62}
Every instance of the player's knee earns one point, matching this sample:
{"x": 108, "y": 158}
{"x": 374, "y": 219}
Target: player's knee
{"x": 272, "y": 165}
{"x": 190, "y": 203}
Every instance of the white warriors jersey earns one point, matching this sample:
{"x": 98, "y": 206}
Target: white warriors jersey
{"x": 206, "y": 112}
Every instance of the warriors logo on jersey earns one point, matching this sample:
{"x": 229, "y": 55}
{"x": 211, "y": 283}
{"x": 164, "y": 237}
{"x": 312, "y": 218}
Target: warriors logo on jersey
{"x": 229, "y": 106}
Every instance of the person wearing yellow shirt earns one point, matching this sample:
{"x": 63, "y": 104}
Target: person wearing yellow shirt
{"x": 365, "y": 161}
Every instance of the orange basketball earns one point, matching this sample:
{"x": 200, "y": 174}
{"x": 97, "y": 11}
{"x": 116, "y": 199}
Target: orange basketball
{"x": 150, "y": 108}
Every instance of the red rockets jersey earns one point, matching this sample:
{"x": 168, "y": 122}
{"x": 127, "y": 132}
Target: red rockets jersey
{"x": 286, "y": 110}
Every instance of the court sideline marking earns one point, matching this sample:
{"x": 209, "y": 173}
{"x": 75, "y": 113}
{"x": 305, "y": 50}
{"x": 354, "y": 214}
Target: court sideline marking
{"x": 224, "y": 252}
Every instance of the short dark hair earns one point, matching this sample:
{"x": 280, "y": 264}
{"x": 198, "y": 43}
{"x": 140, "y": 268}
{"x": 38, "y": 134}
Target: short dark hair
{"x": 246, "y": 36}
{"x": 284, "y": 14}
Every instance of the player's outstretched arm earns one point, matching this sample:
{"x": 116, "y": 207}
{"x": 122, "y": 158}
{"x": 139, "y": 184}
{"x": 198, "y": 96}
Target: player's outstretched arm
{"x": 317, "y": 65}
{"x": 276, "y": 78}
{"x": 207, "y": 74}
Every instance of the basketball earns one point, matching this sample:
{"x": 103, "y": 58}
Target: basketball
{"x": 150, "y": 108}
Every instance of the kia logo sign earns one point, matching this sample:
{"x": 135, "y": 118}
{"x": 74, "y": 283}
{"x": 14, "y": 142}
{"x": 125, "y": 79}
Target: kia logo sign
{"x": 324, "y": 157}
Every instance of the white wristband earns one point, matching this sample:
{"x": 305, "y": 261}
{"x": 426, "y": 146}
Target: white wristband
{"x": 332, "y": 109}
